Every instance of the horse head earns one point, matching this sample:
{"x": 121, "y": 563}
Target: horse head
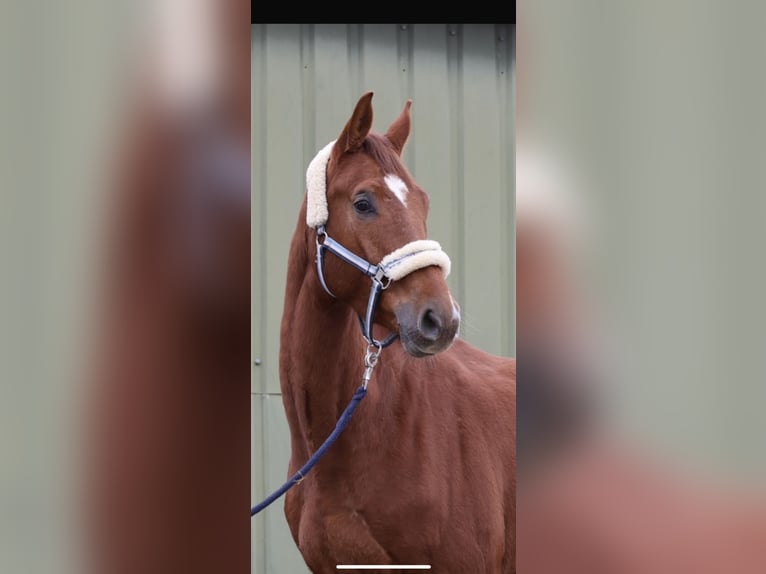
{"x": 376, "y": 210}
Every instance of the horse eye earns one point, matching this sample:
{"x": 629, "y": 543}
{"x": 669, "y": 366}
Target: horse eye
{"x": 364, "y": 206}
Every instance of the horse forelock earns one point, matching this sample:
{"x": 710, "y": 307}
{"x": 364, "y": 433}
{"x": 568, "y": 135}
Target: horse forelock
{"x": 383, "y": 153}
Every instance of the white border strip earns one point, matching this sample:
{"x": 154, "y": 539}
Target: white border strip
{"x": 383, "y": 567}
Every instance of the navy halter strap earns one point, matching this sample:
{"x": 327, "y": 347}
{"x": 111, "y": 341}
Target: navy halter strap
{"x": 375, "y": 272}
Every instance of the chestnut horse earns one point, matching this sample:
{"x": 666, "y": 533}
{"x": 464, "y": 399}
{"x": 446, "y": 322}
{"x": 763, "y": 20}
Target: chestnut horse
{"x": 425, "y": 473}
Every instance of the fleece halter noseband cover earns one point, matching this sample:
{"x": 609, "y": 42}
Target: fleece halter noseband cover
{"x": 397, "y": 264}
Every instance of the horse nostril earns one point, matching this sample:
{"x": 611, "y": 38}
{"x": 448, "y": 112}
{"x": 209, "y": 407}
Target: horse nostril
{"x": 430, "y": 325}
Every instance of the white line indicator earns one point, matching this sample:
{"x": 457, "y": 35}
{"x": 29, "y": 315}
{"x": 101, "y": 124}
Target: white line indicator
{"x": 383, "y": 567}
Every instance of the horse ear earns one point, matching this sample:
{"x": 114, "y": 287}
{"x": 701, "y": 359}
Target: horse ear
{"x": 357, "y": 128}
{"x": 399, "y": 131}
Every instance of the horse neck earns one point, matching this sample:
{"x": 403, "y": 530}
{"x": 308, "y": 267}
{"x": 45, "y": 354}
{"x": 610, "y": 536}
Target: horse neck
{"x": 321, "y": 348}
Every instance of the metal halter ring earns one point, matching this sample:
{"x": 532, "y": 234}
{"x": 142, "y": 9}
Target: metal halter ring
{"x": 371, "y": 357}
{"x": 370, "y": 360}
{"x": 321, "y": 232}
{"x": 381, "y": 277}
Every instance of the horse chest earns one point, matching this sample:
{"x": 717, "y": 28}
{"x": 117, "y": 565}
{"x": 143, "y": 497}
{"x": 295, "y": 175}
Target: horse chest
{"x": 334, "y": 534}
{"x": 403, "y": 521}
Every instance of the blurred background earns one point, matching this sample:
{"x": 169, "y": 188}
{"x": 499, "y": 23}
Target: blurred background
{"x": 125, "y": 313}
{"x": 640, "y": 274}
{"x": 648, "y": 117}
{"x": 651, "y": 117}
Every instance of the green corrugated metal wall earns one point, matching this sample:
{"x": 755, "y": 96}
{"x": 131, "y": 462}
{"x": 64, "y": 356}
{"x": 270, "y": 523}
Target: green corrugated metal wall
{"x": 306, "y": 79}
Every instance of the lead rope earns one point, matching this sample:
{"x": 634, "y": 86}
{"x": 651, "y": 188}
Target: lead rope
{"x": 370, "y": 360}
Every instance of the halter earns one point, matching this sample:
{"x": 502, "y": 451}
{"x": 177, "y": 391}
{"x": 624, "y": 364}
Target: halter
{"x": 397, "y": 264}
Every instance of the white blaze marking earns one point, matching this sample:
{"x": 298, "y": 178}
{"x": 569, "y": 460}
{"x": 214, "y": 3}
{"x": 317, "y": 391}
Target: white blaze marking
{"x": 398, "y": 187}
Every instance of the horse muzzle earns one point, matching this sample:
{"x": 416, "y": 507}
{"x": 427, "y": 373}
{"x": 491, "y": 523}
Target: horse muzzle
{"x": 427, "y": 329}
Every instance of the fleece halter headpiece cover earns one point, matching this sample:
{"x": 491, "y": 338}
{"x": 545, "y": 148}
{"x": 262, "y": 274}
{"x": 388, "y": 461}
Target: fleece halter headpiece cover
{"x": 397, "y": 264}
